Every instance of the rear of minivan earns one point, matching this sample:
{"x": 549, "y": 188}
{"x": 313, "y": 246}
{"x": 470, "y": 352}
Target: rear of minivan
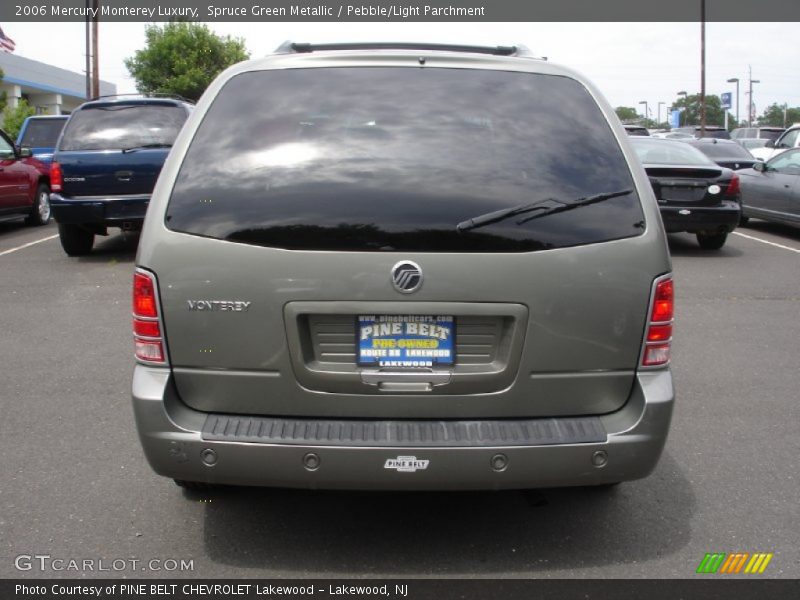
{"x": 402, "y": 268}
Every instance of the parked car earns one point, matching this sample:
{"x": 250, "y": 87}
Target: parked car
{"x": 694, "y": 194}
{"x": 758, "y": 133}
{"x": 789, "y": 139}
{"x": 363, "y": 268}
{"x": 771, "y": 190}
{"x": 726, "y": 153}
{"x": 24, "y": 185}
{"x": 636, "y": 130}
{"x": 106, "y": 164}
{"x": 712, "y": 131}
{"x": 40, "y": 134}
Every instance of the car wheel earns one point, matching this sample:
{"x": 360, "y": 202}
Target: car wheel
{"x": 711, "y": 241}
{"x": 743, "y": 221}
{"x": 75, "y": 240}
{"x": 40, "y": 211}
{"x": 194, "y": 486}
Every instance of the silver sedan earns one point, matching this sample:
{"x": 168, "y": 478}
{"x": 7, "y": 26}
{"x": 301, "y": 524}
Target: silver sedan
{"x": 771, "y": 190}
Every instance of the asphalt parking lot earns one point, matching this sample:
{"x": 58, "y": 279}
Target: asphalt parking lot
{"x": 74, "y": 483}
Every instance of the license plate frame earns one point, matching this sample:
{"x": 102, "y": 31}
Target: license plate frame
{"x": 391, "y": 343}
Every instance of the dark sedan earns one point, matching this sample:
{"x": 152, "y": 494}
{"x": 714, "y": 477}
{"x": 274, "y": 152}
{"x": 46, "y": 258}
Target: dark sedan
{"x": 726, "y": 153}
{"x": 771, "y": 190}
{"x": 694, "y": 193}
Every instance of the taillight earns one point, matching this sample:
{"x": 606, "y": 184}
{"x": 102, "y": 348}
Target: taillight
{"x": 147, "y": 335}
{"x": 658, "y": 336}
{"x": 56, "y": 177}
{"x": 733, "y": 186}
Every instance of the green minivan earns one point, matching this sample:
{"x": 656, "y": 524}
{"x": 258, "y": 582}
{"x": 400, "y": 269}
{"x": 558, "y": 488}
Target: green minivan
{"x": 402, "y": 267}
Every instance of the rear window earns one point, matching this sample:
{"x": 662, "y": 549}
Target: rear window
{"x": 636, "y": 130}
{"x": 732, "y": 150}
{"x": 770, "y": 134}
{"x": 669, "y": 152}
{"x": 388, "y": 159}
{"x": 120, "y": 126}
{"x": 42, "y": 133}
{"x": 720, "y": 134}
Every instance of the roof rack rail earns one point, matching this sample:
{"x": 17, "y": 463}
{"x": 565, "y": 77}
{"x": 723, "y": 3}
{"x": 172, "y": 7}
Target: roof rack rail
{"x": 290, "y": 47}
{"x": 141, "y": 95}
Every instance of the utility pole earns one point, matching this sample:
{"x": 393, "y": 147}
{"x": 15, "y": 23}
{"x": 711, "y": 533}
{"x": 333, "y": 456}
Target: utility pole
{"x": 659, "y": 114}
{"x": 95, "y": 52}
{"x": 88, "y": 53}
{"x": 702, "y": 68}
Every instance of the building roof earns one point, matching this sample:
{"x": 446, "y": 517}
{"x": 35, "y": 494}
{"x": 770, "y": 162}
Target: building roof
{"x": 35, "y": 76}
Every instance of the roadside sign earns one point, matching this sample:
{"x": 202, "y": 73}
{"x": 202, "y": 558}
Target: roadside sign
{"x": 675, "y": 119}
{"x": 726, "y": 99}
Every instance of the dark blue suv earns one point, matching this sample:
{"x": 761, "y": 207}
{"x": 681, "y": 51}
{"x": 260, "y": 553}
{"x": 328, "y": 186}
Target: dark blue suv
{"x": 106, "y": 165}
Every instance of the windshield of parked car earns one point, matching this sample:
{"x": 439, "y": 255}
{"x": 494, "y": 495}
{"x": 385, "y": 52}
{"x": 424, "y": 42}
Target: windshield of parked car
{"x": 786, "y": 162}
{"x": 669, "y": 152}
{"x": 789, "y": 139}
{"x": 732, "y": 150}
{"x": 42, "y": 133}
{"x": 118, "y": 126}
{"x": 385, "y": 159}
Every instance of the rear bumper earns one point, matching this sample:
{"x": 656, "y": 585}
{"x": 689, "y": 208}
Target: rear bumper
{"x": 716, "y": 219}
{"x": 176, "y": 445}
{"x": 107, "y": 211}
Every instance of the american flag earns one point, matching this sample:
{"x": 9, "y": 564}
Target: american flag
{"x": 6, "y": 43}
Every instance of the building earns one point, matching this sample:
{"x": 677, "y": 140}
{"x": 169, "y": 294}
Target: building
{"x": 49, "y": 90}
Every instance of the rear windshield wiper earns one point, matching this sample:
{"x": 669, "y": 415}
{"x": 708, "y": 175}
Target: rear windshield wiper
{"x": 145, "y": 147}
{"x": 548, "y": 206}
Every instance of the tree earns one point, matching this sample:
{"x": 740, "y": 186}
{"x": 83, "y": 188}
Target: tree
{"x": 627, "y": 114}
{"x": 690, "y": 115}
{"x": 773, "y": 115}
{"x": 182, "y": 58}
{"x": 14, "y": 117}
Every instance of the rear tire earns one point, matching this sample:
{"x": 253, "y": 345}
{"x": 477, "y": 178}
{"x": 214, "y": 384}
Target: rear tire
{"x": 40, "y": 211}
{"x": 711, "y": 241}
{"x": 75, "y": 240}
{"x": 194, "y": 486}
{"x": 743, "y": 221}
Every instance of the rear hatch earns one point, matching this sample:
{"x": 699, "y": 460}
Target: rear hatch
{"x": 291, "y": 227}
{"x": 117, "y": 148}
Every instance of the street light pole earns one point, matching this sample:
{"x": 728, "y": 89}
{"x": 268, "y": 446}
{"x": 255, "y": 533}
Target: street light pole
{"x": 659, "y": 113}
{"x": 684, "y": 94}
{"x": 736, "y": 80}
{"x": 750, "y": 120}
{"x": 645, "y": 110}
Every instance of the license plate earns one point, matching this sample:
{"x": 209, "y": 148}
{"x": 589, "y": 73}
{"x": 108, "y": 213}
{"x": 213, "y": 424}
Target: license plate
{"x": 682, "y": 193}
{"x": 405, "y": 341}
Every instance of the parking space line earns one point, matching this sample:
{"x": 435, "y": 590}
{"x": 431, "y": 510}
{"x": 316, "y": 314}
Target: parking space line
{"x": 4, "y": 252}
{"x": 750, "y": 237}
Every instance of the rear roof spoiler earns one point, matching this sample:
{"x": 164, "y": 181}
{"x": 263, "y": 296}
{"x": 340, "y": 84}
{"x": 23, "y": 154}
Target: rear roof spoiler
{"x": 290, "y": 47}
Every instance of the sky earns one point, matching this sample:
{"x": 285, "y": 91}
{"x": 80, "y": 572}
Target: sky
{"x": 629, "y": 62}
